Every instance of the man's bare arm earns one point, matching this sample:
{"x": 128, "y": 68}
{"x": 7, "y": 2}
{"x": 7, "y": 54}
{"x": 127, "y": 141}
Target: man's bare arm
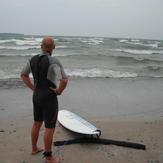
{"x": 27, "y": 81}
{"x": 61, "y": 87}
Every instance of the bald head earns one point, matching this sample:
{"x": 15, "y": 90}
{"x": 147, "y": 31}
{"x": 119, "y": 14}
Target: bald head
{"x": 48, "y": 45}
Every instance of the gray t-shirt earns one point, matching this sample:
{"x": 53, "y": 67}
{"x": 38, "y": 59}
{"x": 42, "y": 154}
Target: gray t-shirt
{"x": 55, "y": 70}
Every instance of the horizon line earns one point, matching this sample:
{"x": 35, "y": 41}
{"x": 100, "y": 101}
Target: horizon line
{"x": 53, "y": 35}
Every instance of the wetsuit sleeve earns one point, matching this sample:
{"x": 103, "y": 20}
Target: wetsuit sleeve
{"x": 59, "y": 71}
{"x": 26, "y": 69}
{"x": 56, "y": 70}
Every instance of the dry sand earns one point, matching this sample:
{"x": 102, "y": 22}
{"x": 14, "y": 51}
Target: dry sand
{"x": 15, "y": 143}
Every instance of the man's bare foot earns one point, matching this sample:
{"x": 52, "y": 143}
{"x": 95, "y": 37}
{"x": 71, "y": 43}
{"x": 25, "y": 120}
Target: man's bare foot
{"x": 38, "y": 150}
{"x": 52, "y": 160}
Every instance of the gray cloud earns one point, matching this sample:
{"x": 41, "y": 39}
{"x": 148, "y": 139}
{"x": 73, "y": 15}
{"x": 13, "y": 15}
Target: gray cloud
{"x": 110, "y": 18}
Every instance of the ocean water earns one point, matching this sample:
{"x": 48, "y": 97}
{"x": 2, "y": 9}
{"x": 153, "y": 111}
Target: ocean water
{"x": 86, "y": 57}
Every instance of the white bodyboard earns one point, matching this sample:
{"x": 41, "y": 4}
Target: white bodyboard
{"x": 75, "y": 123}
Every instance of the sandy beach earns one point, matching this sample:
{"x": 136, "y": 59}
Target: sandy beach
{"x": 123, "y": 109}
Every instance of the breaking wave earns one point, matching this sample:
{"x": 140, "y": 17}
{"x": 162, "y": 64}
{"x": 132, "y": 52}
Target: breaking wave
{"x": 99, "y": 73}
{"x": 153, "y": 44}
{"x": 135, "y": 51}
{"x": 28, "y": 47}
{"x": 19, "y": 47}
{"x": 82, "y": 73}
{"x": 92, "y": 41}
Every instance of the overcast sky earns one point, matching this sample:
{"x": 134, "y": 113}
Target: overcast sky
{"x": 109, "y": 18}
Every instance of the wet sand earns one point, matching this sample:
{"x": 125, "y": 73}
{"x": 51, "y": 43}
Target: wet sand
{"x": 128, "y": 110}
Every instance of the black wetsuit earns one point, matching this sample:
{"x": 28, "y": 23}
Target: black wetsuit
{"x": 44, "y": 100}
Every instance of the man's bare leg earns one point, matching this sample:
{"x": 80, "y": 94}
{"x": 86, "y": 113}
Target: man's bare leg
{"x": 48, "y": 140}
{"x": 34, "y": 137}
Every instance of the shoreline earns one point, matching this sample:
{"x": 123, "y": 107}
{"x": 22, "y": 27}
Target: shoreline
{"x": 110, "y": 99}
{"x": 126, "y": 110}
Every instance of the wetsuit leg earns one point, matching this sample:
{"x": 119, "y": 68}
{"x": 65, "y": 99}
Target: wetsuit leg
{"x": 45, "y": 107}
{"x": 37, "y": 105}
{"x": 37, "y": 112}
{"x": 50, "y": 112}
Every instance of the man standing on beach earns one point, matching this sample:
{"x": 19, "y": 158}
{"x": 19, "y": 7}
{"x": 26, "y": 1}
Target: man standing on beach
{"x": 46, "y": 70}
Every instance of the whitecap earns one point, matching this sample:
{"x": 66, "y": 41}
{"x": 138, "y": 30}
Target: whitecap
{"x": 99, "y": 73}
{"x": 14, "y": 55}
{"x": 92, "y": 41}
{"x": 19, "y": 47}
{"x": 134, "y": 51}
{"x": 123, "y": 40}
{"x": 7, "y": 75}
{"x": 61, "y": 46}
{"x": 137, "y": 42}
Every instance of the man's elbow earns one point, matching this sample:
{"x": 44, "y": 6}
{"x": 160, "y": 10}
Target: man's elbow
{"x": 23, "y": 76}
{"x": 64, "y": 81}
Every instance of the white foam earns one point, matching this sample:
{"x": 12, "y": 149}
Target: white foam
{"x": 19, "y": 47}
{"x": 32, "y": 54}
{"x": 135, "y": 40}
{"x": 7, "y": 75}
{"x": 22, "y": 42}
{"x": 8, "y": 40}
{"x": 38, "y": 39}
{"x": 123, "y": 40}
{"x": 99, "y": 73}
{"x": 92, "y": 41}
{"x": 14, "y": 55}
{"x": 61, "y": 46}
{"x": 153, "y": 44}
{"x": 26, "y": 41}
{"x": 134, "y": 51}
{"x": 29, "y": 41}
{"x": 83, "y": 73}
{"x": 32, "y": 46}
